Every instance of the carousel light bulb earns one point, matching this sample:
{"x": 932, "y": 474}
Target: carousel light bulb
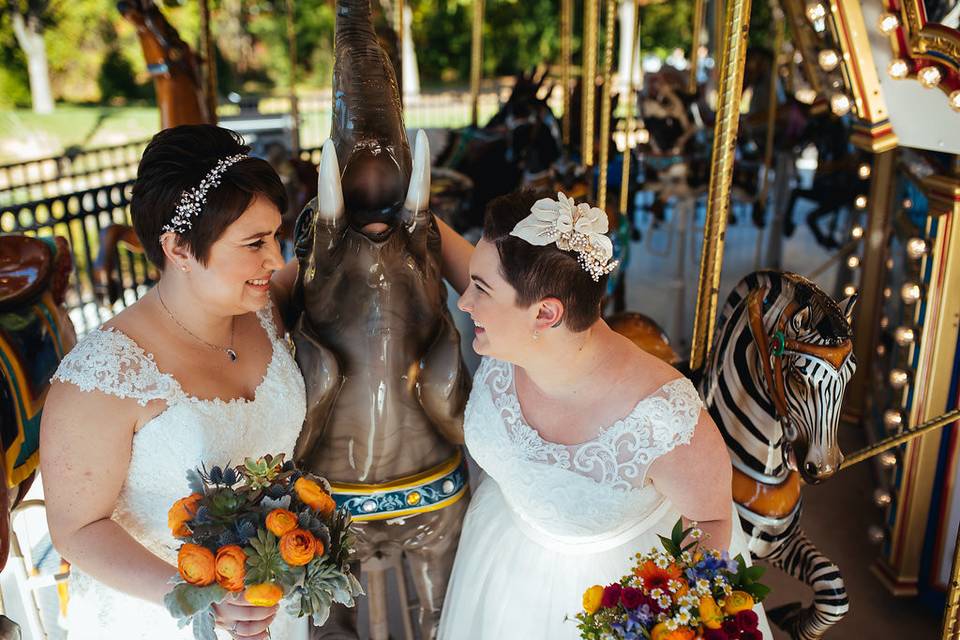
{"x": 876, "y": 534}
{"x": 892, "y": 419}
{"x": 805, "y": 96}
{"x": 882, "y": 498}
{"x": 853, "y": 262}
{"x": 881, "y": 350}
{"x": 860, "y": 202}
{"x": 839, "y": 104}
{"x": 849, "y": 290}
{"x": 857, "y": 232}
{"x": 887, "y": 292}
{"x": 929, "y": 77}
{"x": 816, "y": 11}
{"x": 898, "y": 69}
{"x": 884, "y": 322}
{"x": 889, "y": 265}
{"x": 828, "y": 60}
{"x": 903, "y": 336}
{"x": 888, "y": 23}
{"x": 642, "y": 136}
{"x": 916, "y": 248}
{"x": 620, "y": 140}
{"x": 899, "y": 378}
{"x": 864, "y": 171}
{"x": 887, "y": 459}
{"x": 910, "y": 292}
{"x": 954, "y": 100}
{"x": 907, "y": 203}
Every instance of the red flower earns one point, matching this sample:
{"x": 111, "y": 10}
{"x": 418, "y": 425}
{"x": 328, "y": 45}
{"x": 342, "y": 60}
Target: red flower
{"x": 632, "y": 598}
{"x": 751, "y": 634}
{"x": 730, "y": 628}
{"x": 715, "y": 634}
{"x": 611, "y": 595}
{"x": 747, "y": 620}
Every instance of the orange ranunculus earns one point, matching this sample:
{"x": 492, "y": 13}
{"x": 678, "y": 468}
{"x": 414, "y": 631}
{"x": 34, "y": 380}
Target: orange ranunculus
{"x": 320, "y": 549}
{"x": 263, "y": 595}
{"x": 196, "y": 565}
{"x": 656, "y": 578}
{"x": 297, "y": 547}
{"x": 592, "y": 598}
{"x": 710, "y": 613}
{"x": 231, "y": 567}
{"x": 181, "y": 512}
{"x": 280, "y": 521}
{"x": 683, "y": 633}
{"x": 737, "y": 601}
{"x": 314, "y": 496}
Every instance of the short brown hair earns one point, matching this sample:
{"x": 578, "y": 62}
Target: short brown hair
{"x": 177, "y": 159}
{"x": 541, "y": 272}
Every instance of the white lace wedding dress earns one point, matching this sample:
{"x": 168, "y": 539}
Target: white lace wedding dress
{"x": 190, "y": 432}
{"x": 550, "y": 520}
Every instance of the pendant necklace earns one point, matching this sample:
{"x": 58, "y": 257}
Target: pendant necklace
{"x": 230, "y": 351}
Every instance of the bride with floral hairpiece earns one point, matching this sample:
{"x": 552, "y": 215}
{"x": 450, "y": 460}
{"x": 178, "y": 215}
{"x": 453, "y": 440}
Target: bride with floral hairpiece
{"x": 590, "y": 446}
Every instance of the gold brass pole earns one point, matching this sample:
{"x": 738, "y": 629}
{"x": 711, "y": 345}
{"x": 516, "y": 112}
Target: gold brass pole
{"x": 398, "y": 21}
{"x": 951, "y": 626}
{"x": 699, "y": 14}
{"x": 566, "y": 60}
{"x": 589, "y": 80}
{"x": 721, "y": 176}
{"x": 778, "y": 28}
{"x": 476, "y": 61}
{"x": 294, "y": 106}
{"x": 896, "y": 440}
{"x": 717, "y": 32}
{"x": 631, "y": 121}
{"x": 606, "y": 102}
{"x": 209, "y": 61}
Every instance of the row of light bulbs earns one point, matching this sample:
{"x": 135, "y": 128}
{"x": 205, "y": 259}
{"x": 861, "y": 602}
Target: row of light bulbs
{"x": 829, "y": 60}
{"x": 898, "y": 69}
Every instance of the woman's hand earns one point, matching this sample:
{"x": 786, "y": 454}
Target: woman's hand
{"x": 243, "y": 620}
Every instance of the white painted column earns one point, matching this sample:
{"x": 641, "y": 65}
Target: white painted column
{"x": 627, "y": 46}
{"x": 411, "y": 75}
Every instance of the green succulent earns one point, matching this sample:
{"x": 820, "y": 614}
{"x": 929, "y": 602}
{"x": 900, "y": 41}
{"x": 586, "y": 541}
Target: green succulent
{"x": 225, "y": 502}
{"x": 263, "y": 472}
{"x": 265, "y": 564}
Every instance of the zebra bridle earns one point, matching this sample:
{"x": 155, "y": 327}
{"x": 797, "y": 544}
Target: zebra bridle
{"x": 771, "y": 352}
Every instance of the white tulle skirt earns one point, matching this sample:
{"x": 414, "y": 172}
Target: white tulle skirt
{"x": 508, "y": 582}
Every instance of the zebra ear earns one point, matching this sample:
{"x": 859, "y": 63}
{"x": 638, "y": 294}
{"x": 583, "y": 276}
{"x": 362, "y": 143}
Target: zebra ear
{"x": 846, "y": 306}
{"x": 800, "y": 320}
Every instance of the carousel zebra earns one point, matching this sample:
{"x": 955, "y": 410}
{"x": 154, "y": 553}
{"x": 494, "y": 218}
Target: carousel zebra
{"x": 774, "y": 384}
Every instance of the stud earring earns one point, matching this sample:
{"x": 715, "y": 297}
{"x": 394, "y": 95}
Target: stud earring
{"x": 536, "y": 335}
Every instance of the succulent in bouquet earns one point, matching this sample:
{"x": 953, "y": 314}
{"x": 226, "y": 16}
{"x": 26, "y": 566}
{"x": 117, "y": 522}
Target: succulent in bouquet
{"x": 265, "y": 530}
{"x": 680, "y": 592}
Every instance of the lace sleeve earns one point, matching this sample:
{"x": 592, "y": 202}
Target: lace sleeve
{"x": 110, "y": 362}
{"x": 674, "y": 411}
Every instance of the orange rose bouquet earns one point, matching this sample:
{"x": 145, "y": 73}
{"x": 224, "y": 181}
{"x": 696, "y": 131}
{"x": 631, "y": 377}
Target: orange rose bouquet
{"x": 264, "y": 529}
{"x": 678, "y": 593}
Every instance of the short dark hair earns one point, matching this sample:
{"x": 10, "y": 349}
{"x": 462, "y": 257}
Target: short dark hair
{"x": 541, "y": 272}
{"x": 177, "y": 159}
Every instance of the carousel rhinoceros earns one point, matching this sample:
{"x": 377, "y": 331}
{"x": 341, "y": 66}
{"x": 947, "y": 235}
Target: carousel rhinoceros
{"x": 386, "y": 386}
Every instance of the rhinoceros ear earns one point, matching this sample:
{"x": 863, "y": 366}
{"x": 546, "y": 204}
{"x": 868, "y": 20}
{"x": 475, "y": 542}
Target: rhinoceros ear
{"x": 329, "y": 192}
{"x": 846, "y": 306}
{"x": 418, "y": 193}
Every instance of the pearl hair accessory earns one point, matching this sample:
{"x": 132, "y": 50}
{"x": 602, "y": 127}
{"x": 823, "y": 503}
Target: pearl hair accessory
{"x": 192, "y": 200}
{"x": 572, "y": 227}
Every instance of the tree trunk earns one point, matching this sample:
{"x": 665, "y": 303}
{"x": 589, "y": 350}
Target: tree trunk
{"x": 29, "y": 32}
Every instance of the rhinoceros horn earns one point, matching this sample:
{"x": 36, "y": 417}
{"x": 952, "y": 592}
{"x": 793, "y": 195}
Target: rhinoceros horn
{"x": 368, "y": 130}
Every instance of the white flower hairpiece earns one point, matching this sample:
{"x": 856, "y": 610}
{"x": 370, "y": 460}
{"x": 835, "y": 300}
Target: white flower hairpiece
{"x": 573, "y": 227}
{"x": 192, "y": 200}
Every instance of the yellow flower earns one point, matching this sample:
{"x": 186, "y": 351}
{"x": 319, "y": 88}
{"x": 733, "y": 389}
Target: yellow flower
{"x": 263, "y": 595}
{"x": 710, "y": 613}
{"x": 281, "y": 521}
{"x": 196, "y": 565}
{"x": 738, "y": 601}
{"x": 592, "y": 598}
{"x": 181, "y": 512}
{"x": 314, "y": 496}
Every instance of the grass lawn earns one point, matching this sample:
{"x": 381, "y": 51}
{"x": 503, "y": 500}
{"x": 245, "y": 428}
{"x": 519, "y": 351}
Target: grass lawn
{"x": 25, "y": 135}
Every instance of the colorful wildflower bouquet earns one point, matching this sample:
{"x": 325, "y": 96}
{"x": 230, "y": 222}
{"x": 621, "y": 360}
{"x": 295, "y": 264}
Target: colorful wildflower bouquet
{"x": 679, "y": 593}
{"x": 265, "y": 529}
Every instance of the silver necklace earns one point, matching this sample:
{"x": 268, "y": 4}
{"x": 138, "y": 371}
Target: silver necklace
{"x": 233, "y": 323}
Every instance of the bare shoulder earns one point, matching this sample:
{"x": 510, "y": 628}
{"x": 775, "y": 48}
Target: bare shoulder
{"x": 644, "y": 371}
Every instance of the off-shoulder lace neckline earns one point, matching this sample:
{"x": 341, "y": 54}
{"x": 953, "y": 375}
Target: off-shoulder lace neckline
{"x": 525, "y": 424}
{"x": 175, "y": 384}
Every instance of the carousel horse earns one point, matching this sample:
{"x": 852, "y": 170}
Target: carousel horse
{"x": 386, "y": 387}
{"x": 174, "y": 67}
{"x": 517, "y": 147}
{"x": 781, "y": 359}
{"x": 35, "y": 333}
{"x": 774, "y": 385}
